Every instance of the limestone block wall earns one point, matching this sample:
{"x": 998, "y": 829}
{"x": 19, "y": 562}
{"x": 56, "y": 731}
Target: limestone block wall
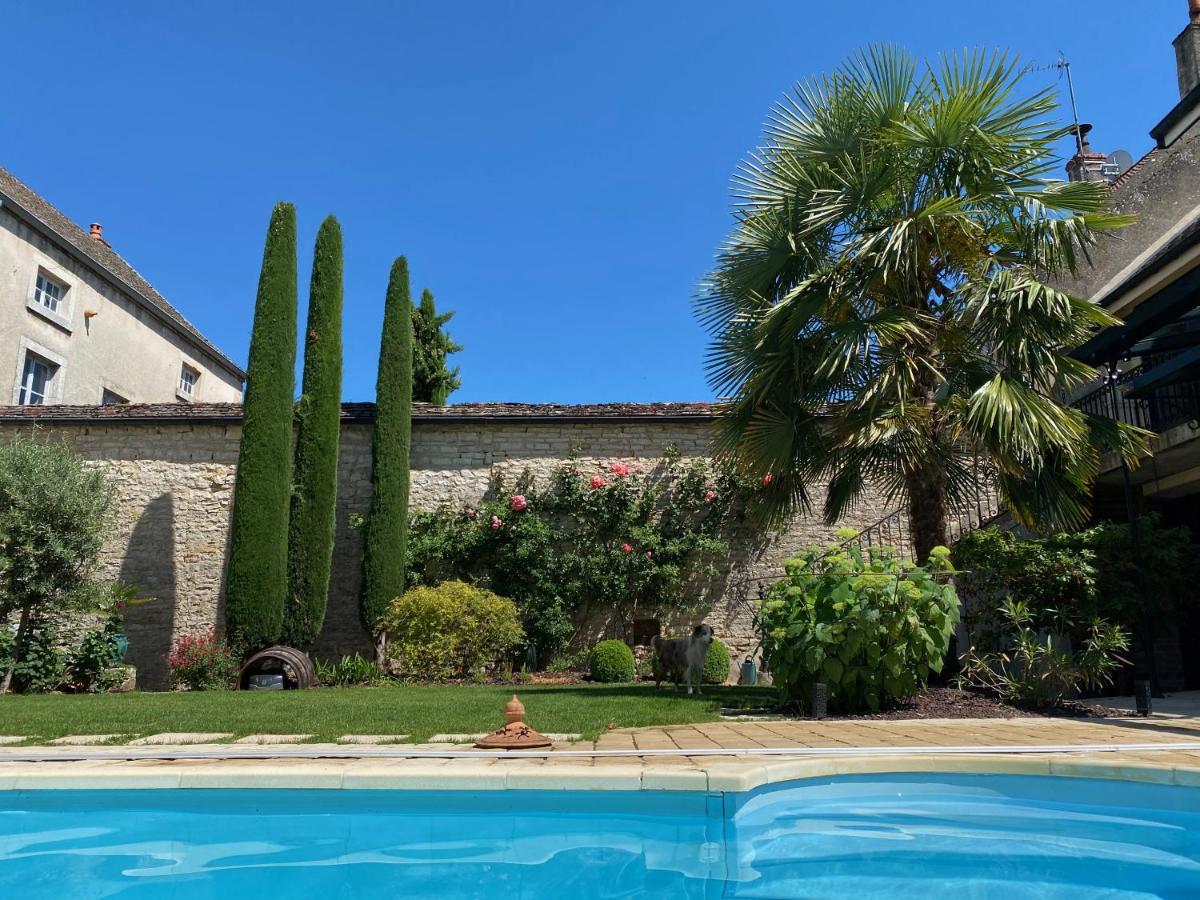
{"x": 174, "y": 483}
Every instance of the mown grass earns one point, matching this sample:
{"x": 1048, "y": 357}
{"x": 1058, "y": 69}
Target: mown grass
{"x": 327, "y": 713}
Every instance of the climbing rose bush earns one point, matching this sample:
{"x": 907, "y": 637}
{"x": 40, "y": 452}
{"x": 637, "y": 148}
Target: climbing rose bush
{"x": 646, "y": 538}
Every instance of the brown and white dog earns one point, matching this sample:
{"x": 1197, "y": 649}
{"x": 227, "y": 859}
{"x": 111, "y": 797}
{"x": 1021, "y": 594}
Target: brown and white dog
{"x": 682, "y": 659}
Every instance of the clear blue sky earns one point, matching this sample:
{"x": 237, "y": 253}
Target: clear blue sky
{"x": 556, "y": 172}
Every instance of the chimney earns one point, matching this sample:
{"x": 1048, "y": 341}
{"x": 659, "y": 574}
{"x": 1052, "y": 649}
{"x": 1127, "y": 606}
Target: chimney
{"x": 1087, "y": 164}
{"x": 1187, "y": 51}
{"x": 97, "y": 233}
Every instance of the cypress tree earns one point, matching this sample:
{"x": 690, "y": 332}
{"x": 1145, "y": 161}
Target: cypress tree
{"x": 433, "y": 382}
{"x": 314, "y": 498}
{"x": 256, "y": 582}
{"x": 387, "y": 522}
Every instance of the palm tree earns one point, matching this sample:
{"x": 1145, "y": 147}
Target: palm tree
{"x": 885, "y": 313}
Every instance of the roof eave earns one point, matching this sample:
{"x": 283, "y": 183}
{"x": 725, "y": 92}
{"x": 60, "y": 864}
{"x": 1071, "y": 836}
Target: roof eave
{"x": 18, "y": 209}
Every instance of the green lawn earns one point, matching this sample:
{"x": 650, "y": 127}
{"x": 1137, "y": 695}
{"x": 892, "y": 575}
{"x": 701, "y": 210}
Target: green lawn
{"x": 419, "y": 711}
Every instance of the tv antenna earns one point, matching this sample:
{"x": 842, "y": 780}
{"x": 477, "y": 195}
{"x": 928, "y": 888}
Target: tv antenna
{"x": 1064, "y": 65}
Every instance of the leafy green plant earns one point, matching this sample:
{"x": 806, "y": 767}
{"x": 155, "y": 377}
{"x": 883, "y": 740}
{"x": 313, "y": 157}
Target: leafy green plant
{"x": 451, "y": 630}
{"x": 202, "y": 662}
{"x": 256, "y": 581}
{"x": 1033, "y": 668}
{"x": 716, "y": 666}
{"x": 612, "y": 662}
{"x": 621, "y": 538}
{"x": 386, "y": 540}
{"x": 91, "y": 665}
{"x": 868, "y": 625}
{"x": 42, "y": 665}
{"x": 318, "y": 428}
{"x": 350, "y": 671}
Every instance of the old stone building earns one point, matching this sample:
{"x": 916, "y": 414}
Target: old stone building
{"x": 173, "y": 467}
{"x": 79, "y": 325}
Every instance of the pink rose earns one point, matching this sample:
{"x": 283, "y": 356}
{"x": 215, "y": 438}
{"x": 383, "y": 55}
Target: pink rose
{"x": 710, "y": 497}
{"x": 579, "y": 471}
{"x": 638, "y": 469}
{"x": 470, "y": 513}
{"x": 518, "y": 502}
{"x": 619, "y": 470}
{"x": 597, "y": 482}
{"x": 626, "y": 548}
{"x": 649, "y": 553}
{"x": 767, "y": 479}
{"x": 496, "y": 522}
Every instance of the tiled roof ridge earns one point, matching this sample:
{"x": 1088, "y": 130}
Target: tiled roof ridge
{"x": 1134, "y": 169}
{"x": 109, "y": 260}
{"x": 366, "y": 411}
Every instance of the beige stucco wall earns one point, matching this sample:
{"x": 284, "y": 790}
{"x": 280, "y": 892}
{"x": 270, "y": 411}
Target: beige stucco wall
{"x": 175, "y": 480}
{"x": 124, "y": 348}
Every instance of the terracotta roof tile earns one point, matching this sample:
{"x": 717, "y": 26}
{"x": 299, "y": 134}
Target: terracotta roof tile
{"x": 14, "y": 191}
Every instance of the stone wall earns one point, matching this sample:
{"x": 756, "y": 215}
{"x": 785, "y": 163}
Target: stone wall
{"x": 175, "y": 480}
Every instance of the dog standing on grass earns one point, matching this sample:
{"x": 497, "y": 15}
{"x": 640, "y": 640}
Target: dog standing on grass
{"x": 682, "y": 659}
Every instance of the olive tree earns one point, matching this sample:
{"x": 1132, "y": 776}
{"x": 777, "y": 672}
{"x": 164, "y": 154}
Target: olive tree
{"x": 55, "y": 513}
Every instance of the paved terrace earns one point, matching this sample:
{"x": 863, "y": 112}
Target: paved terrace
{"x": 729, "y": 755}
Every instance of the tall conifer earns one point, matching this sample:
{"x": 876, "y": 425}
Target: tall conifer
{"x": 256, "y": 581}
{"x": 314, "y": 498}
{"x": 387, "y": 522}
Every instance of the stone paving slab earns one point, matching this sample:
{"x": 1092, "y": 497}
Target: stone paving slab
{"x": 274, "y": 739}
{"x": 172, "y": 738}
{"x": 372, "y": 739}
{"x": 85, "y": 740}
{"x": 913, "y": 747}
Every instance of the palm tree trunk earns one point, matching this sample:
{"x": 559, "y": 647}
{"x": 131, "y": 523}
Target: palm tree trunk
{"x": 927, "y": 512}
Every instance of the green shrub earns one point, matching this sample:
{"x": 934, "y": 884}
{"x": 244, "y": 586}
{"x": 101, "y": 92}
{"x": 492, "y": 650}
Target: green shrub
{"x": 202, "y": 663}
{"x": 43, "y": 663}
{"x": 318, "y": 423}
{"x": 716, "y": 666}
{"x": 385, "y": 547}
{"x": 451, "y": 630}
{"x": 1033, "y": 668}
{"x": 612, "y": 662}
{"x": 870, "y": 627}
{"x": 256, "y": 583}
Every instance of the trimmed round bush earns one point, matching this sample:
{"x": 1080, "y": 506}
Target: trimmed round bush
{"x": 716, "y": 667}
{"x": 612, "y": 662}
{"x": 449, "y": 631}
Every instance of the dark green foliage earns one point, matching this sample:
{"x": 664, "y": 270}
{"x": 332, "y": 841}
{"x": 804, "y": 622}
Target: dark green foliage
{"x": 871, "y": 627}
{"x": 386, "y": 539}
{"x": 257, "y": 579}
{"x": 716, "y": 666}
{"x": 1081, "y": 576}
{"x": 619, "y": 539}
{"x": 612, "y": 662}
{"x": 314, "y": 500}
{"x": 433, "y": 382}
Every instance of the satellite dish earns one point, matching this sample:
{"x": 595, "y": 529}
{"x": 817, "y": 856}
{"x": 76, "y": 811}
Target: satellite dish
{"x": 1122, "y": 160}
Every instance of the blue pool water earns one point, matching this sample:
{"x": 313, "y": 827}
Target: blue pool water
{"x": 924, "y": 836}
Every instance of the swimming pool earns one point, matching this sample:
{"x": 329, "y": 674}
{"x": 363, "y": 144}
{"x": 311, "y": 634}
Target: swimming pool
{"x": 928, "y": 836}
